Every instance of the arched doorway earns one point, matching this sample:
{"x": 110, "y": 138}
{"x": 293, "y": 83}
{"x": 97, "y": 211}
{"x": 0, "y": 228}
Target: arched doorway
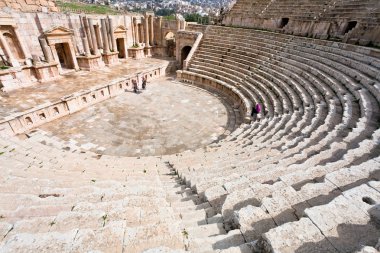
{"x": 170, "y": 44}
{"x": 184, "y": 53}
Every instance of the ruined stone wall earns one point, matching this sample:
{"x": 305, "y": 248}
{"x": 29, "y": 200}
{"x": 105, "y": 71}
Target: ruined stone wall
{"x": 30, "y": 5}
{"x": 31, "y": 26}
{"x": 344, "y": 21}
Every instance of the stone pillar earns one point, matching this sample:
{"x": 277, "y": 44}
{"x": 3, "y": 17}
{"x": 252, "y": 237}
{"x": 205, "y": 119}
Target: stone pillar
{"x": 137, "y": 36}
{"x": 112, "y": 35}
{"x": 146, "y": 28}
{"x": 87, "y": 32}
{"x": 8, "y": 52}
{"x": 46, "y": 50}
{"x": 160, "y": 30}
{"x": 98, "y": 36}
{"x": 93, "y": 37}
{"x": 133, "y": 31}
{"x": 151, "y": 19}
{"x": 86, "y": 47}
{"x": 72, "y": 51}
{"x": 106, "y": 49}
{"x": 178, "y": 24}
{"x": 56, "y": 58}
{"x": 24, "y": 50}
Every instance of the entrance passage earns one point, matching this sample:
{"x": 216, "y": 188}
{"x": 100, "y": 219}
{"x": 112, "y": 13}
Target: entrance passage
{"x": 120, "y": 47}
{"x": 283, "y": 22}
{"x": 64, "y": 55}
{"x": 184, "y": 53}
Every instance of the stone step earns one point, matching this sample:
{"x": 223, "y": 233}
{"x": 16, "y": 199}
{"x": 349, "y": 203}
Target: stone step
{"x": 219, "y": 242}
{"x": 206, "y": 230}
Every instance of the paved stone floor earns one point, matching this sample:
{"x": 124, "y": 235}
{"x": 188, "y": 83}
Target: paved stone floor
{"x": 26, "y": 98}
{"x": 166, "y": 118}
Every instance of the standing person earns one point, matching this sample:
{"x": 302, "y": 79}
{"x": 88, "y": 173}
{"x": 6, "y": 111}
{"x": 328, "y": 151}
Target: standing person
{"x": 135, "y": 88}
{"x": 258, "y": 110}
{"x": 143, "y": 83}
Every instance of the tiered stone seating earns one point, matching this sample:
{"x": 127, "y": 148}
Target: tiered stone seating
{"x": 318, "y": 139}
{"x": 52, "y": 200}
{"x": 358, "y": 10}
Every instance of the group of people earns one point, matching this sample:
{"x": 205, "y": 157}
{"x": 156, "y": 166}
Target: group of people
{"x": 135, "y": 85}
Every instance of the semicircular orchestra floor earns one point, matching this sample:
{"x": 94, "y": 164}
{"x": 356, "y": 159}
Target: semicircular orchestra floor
{"x": 168, "y": 117}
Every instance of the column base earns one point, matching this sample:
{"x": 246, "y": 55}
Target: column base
{"x": 110, "y": 58}
{"x": 147, "y": 51}
{"x": 91, "y": 62}
{"x": 136, "y": 53}
{"x": 46, "y": 71}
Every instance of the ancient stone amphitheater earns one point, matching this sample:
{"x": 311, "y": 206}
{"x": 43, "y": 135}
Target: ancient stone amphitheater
{"x": 303, "y": 177}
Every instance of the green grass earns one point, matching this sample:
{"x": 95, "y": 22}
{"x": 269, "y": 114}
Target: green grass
{"x": 171, "y": 17}
{"x": 86, "y": 8}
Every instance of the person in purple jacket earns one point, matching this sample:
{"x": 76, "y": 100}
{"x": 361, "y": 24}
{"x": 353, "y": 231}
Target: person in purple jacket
{"x": 256, "y": 112}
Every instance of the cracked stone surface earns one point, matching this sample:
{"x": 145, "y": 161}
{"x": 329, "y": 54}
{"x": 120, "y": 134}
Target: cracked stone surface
{"x": 166, "y": 118}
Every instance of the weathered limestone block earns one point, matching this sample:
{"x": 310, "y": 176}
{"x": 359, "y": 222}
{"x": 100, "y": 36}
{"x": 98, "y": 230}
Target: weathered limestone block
{"x": 300, "y": 236}
{"x": 106, "y": 239}
{"x": 344, "y": 221}
{"x": 43, "y": 242}
{"x": 253, "y": 221}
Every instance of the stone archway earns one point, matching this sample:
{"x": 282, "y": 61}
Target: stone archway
{"x": 170, "y": 44}
{"x": 60, "y": 41}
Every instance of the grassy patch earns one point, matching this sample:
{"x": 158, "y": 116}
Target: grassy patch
{"x": 86, "y": 8}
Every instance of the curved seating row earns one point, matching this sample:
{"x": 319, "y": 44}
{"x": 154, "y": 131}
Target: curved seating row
{"x": 317, "y": 141}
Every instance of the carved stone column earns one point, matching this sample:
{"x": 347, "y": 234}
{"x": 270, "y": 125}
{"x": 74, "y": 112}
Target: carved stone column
{"x": 93, "y": 37}
{"x": 8, "y": 52}
{"x": 24, "y": 49}
{"x": 112, "y": 36}
{"x": 151, "y": 19}
{"x": 56, "y": 58}
{"x": 98, "y": 36}
{"x": 106, "y": 49}
{"x": 146, "y": 28}
{"x": 137, "y": 33}
{"x": 86, "y": 46}
{"x": 46, "y": 50}
{"x": 160, "y": 30}
{"x": 74, "y": 58}
{"x": 87, "y": 32}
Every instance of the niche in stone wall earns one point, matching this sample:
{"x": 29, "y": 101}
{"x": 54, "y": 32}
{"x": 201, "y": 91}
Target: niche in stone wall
{"x": 56, "y": 110}
{"x": 283, "y": 22}
{"x": 14, "y": 44}
{"x": 350, "y": 25}
{"x": 28, "y": 121}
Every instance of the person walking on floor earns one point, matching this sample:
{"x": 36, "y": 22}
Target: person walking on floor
{"x": 143, "y": 83}
{"x": 135, "y": 88}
